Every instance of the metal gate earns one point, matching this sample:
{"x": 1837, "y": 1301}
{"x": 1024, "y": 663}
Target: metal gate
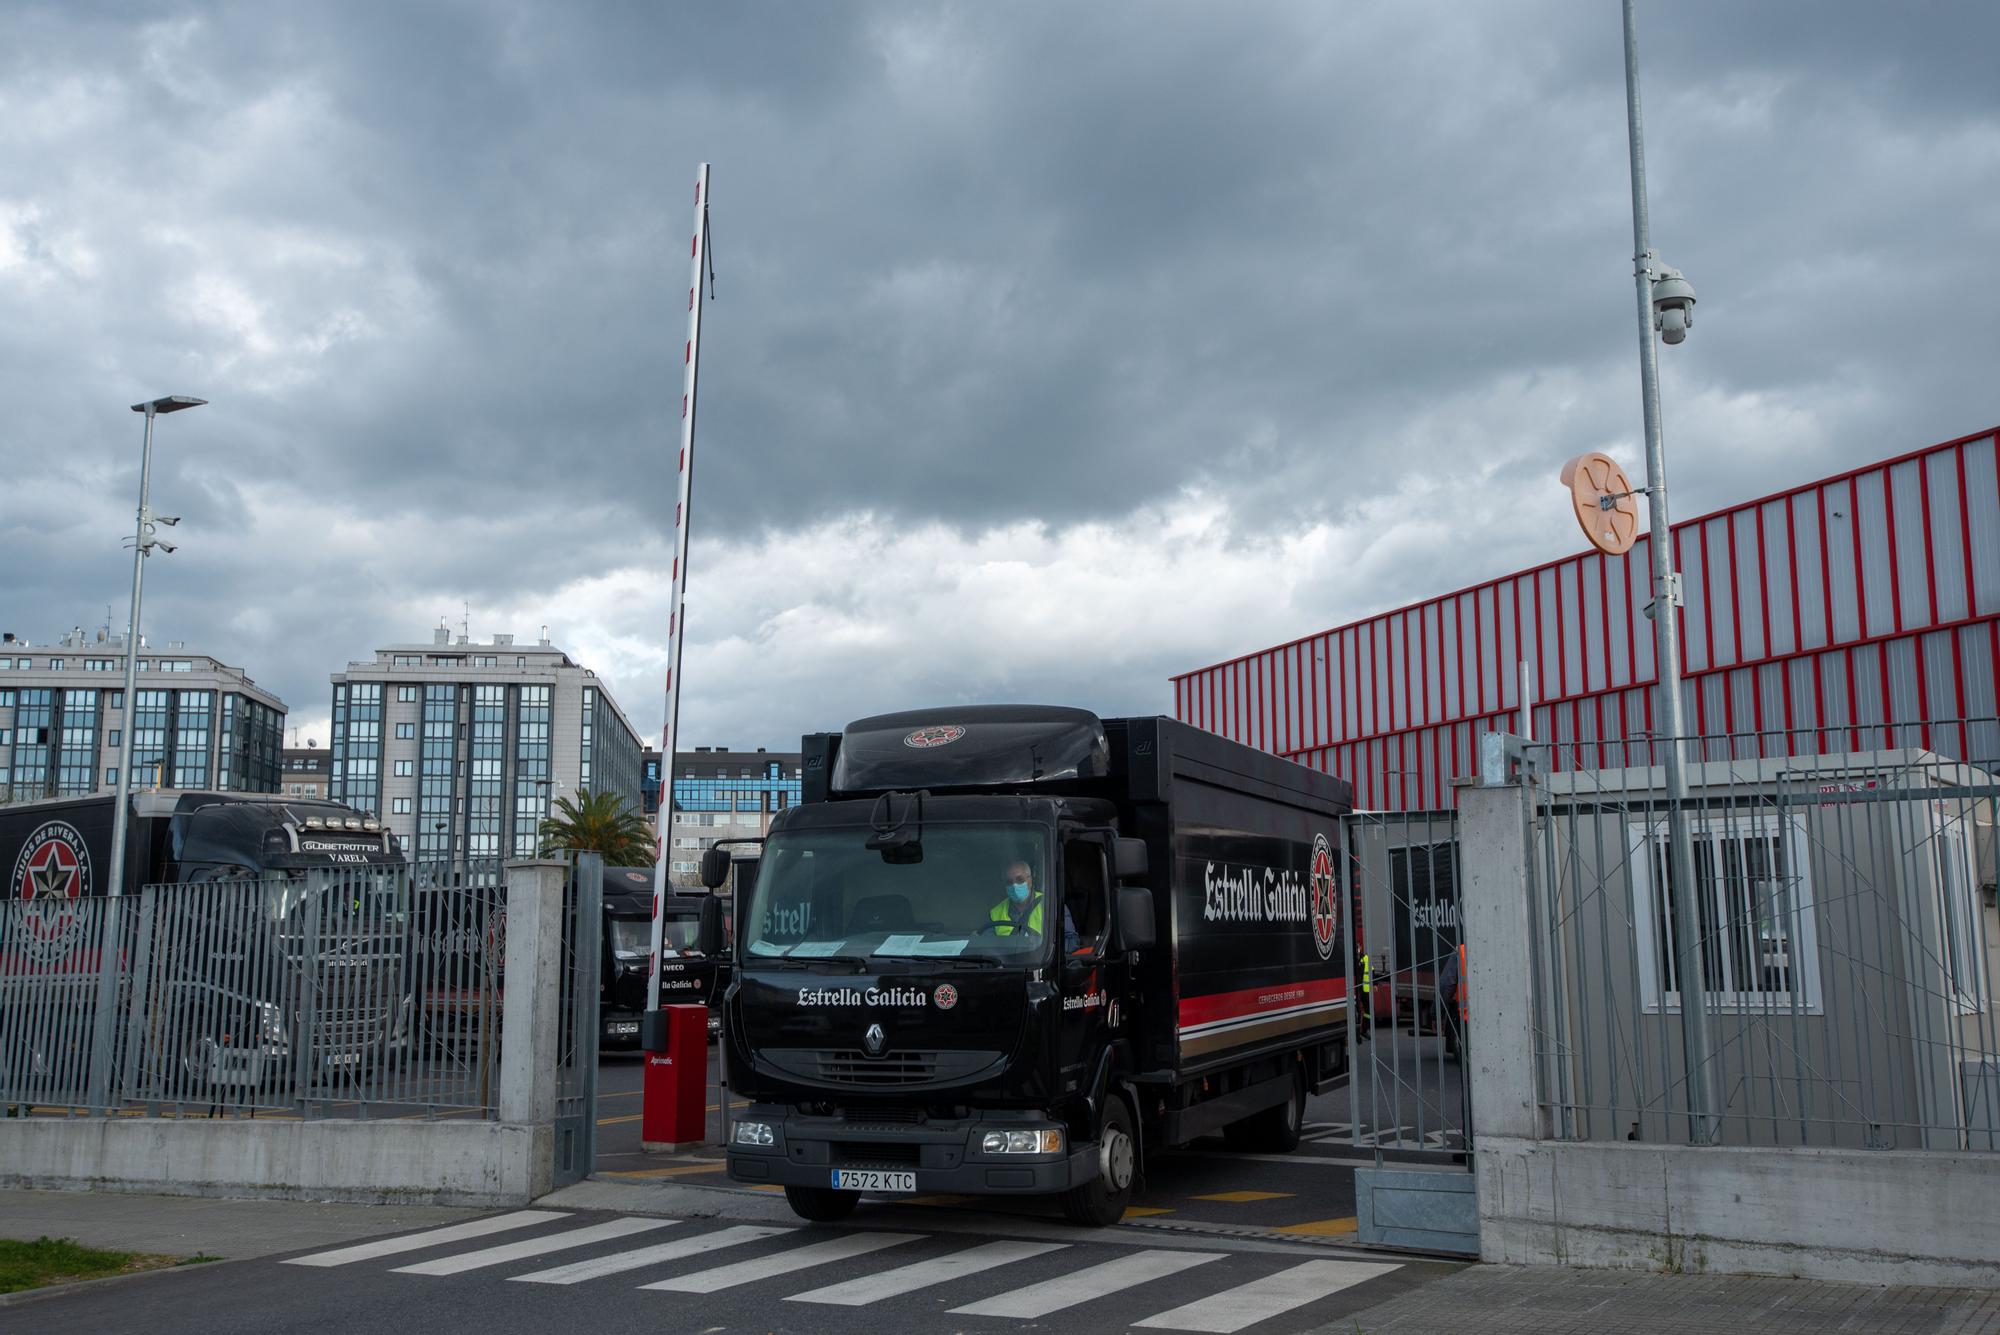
{"x": 1407, "y": 1092}
{"x": 576, "y": 1058}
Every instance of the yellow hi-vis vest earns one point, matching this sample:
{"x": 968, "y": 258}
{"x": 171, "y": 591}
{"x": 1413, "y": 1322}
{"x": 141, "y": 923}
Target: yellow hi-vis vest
{"x": 1002, "y": 915}
{"x": 1366, "y": 981}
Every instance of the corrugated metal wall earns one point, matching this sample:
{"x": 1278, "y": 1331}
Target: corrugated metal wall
{"x": 1832, "y": 609}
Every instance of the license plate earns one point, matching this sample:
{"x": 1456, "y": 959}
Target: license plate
{"x": 624, "y": 1027}
{"x": 344, "y": 1059}
{"x": 867, "y": 1179}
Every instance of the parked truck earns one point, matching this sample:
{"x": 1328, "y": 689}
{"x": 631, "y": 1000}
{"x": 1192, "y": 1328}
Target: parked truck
{"x": 319, "y": 871}
{"x": 1010, "y": 950}
{"x": 686, "y": 973}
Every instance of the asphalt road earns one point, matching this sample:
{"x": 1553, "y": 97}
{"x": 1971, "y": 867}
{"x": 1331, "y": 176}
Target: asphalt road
{"x": 1400, "y": 1082}
{"x": 681, "y": 1259}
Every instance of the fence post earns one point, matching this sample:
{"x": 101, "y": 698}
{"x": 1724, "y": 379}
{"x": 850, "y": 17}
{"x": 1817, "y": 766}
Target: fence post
{"x": 104, "y": 1028}
{"x": 531, "y": 991}
{"x": 1496, "y": 918}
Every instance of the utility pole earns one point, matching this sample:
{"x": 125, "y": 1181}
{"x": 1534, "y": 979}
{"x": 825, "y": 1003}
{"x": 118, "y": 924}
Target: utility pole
{"x": 1652, "y": 281}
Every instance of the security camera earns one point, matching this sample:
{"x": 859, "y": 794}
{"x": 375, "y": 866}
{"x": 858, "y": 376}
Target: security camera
{"x": 1673, "y": 305}
{"x": 166, "y": 547}
{"x": 168, "y": 520}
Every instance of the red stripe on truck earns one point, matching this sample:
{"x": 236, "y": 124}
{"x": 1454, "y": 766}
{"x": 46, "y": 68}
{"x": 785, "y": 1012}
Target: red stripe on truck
{"x": 1259, "y": 1000}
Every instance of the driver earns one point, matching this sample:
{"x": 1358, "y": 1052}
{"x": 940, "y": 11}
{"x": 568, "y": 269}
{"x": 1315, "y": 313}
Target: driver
{"x": 1020, "y": 909}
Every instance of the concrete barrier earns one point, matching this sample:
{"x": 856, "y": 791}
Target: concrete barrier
{"x": 377, "y": 1162}
{"x": 1872, "y": 1216}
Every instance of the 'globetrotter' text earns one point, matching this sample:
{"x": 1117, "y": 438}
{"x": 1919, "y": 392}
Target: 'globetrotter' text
{"x": 1254, "y": 894}
{"x": 854, "y": 996}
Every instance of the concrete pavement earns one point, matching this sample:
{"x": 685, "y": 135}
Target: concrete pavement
{"x": 193, "y": 1225}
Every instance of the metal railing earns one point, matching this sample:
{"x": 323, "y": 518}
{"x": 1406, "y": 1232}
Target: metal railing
{"x": 1849, "y": 947}
{"x": 1406, "y": 1090}
{"x": 333, "y": 993}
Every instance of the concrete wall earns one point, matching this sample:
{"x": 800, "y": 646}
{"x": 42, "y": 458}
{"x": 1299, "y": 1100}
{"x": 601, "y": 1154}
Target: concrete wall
{"x": 1872, "y": 1216}
{"x": 430, "y": 1163}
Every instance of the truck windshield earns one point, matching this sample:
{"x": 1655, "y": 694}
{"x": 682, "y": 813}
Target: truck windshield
{"x": 634, "y": 936}
{"x": 824, "y": 894}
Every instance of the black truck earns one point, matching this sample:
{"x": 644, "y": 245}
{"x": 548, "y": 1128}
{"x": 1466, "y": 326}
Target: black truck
{"x": 314, "y": 864}
{"x": 686, "y": 973}
{"x": 1009, "y": 950}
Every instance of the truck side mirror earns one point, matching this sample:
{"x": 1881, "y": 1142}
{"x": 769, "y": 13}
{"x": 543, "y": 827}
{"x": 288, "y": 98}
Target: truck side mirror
{"x": 708, "y": 933}
{"x": 1135, "y": 917}
{"x": 1129, "y": 859}
{"x": 714, "y": 867}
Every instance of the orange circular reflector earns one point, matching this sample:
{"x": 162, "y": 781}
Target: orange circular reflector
{"x": 1591, "y": 478}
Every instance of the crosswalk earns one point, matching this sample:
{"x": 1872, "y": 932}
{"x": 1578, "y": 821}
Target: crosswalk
{"x": 1006, "y": 1279}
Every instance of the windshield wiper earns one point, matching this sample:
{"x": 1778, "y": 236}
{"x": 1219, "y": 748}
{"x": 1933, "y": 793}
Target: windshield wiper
{"x": 802, "y": 961}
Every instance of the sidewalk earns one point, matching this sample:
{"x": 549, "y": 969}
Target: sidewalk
{"x": 191, "y": 1225}
{"x": 1536, "y": 1300}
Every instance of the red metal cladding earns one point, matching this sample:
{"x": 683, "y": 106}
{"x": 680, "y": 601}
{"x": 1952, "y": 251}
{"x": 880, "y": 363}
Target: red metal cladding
{"x": 1843, "y": 578}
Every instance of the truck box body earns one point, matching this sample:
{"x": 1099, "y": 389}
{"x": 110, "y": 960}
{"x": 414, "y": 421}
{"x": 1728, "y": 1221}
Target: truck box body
{"x": 686, "y": 975}
{"x": 886, "y": 977}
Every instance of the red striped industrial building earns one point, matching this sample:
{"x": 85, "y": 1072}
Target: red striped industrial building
{"x": 1858, "y": 611}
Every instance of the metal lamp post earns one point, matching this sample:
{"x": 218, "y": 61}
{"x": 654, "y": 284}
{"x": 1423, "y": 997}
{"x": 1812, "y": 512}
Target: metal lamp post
{"x": 142, "y": 545}
{"x": 1665, "y": 306}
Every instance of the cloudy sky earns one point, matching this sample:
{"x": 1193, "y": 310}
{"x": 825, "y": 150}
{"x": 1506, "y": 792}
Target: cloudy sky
{"x": 1056, "y": 348}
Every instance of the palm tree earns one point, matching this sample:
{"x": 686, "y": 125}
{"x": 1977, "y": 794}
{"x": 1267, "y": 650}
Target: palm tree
{"x": 599, "y": 823}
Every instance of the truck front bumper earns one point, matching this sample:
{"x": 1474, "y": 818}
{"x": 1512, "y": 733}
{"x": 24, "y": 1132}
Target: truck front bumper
{"x": 944, "y": 1155}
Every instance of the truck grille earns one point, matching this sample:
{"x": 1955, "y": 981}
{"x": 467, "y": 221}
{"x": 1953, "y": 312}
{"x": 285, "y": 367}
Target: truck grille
{"x": 854, "y": 1069}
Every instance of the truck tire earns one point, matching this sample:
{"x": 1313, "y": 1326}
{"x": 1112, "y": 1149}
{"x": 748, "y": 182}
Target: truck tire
{"x": 1101, "y": 1201}
{"x": 822, "y": 1205}
{"x": 1275, "y": 1130}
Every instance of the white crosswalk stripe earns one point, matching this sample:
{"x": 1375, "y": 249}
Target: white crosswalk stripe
{"x": 1230, "y": 1304}
{"x": 842, "y": 1248}
{"x": 618, "y": 1262}
{"x": 1053, "y": 1295}
{"x": 922, "y": 1274}
{"x": 1261, "y": 1299}
{"x": 521, "y": 1251}
{"x": 437, "y": 1237}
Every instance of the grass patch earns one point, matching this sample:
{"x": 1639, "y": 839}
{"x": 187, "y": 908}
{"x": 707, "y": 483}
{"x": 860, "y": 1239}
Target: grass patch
{"x": 30, "y": 1265}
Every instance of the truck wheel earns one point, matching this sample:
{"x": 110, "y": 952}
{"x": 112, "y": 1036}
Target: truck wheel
{"x": 1273, "y": 1131}
{"x": 1102, "y": 1200}
{"x": 822, "y": 1205}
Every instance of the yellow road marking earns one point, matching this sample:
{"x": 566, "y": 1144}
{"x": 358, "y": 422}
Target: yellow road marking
{"x": 1238, "y": 1197}
{"x": 613, "y": 1121}
{"x": 682, "y": 1170}
{"x": 767, "y": 1187}
{"x": 1141, "y": 1211}
{"x": 1321, "y": 1228}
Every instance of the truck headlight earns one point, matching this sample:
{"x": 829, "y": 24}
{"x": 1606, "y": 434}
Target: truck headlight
{"x": 1021, "y": 1142}
{"x": 755, "y": 1133}
{"x": 270, "y": 1023}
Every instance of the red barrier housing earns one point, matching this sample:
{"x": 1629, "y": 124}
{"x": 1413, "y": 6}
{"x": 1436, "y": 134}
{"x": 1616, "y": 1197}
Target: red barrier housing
{"x": 674, "y": 1102}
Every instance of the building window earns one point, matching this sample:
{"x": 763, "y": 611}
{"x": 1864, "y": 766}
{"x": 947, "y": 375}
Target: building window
{"x": 406, "y": 732}
{"x": 194, "y": 717}
{"x": 150, "y": 713}
{"x": 356, "y": 762}
{"x": 55, "y": 665}
{"x": 111, "y": 778}
{"x": 409, "y": 695}
{"x": 401, "y": 805}
{"x": 117, "y": 700}
{"x": 1754, "y": 910}
{"x": 7, "y": 696}
{"x": 485, "y": 772}
{"x": 434, "y": 785}
{"x": 1960, "y": 947}
{"x": 520, "y": 662}
{"x": 485, "y": 660}
{"x": 6, "y": 736}
{"x": 76, "y": 765}
{"x": 405, "y": 768}
{"x": 531, "y": 767}
{"x": 101, "y": 665}
{"x": 112, "y": 738}
{"x": 407, "y": 660}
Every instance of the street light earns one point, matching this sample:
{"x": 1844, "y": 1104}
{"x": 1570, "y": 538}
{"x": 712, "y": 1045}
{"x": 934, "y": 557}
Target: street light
{"x": 142, "y": 545}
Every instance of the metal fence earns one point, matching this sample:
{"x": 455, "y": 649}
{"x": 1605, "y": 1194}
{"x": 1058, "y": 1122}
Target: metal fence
{"x": 1848, "y": 945}
{"x": 1406, "y": 1091}
{"x": 333, "y": 993}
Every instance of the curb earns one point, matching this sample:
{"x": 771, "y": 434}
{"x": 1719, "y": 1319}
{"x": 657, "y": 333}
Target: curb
{"x": 104, "y": 1281}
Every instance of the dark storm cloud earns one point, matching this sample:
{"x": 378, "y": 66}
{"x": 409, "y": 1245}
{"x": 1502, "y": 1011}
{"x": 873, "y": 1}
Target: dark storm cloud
{"x": 978, "y": 264}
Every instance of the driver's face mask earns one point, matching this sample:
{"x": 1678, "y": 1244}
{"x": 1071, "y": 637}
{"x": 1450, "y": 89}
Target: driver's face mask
{"x": 1018, "y": 891}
